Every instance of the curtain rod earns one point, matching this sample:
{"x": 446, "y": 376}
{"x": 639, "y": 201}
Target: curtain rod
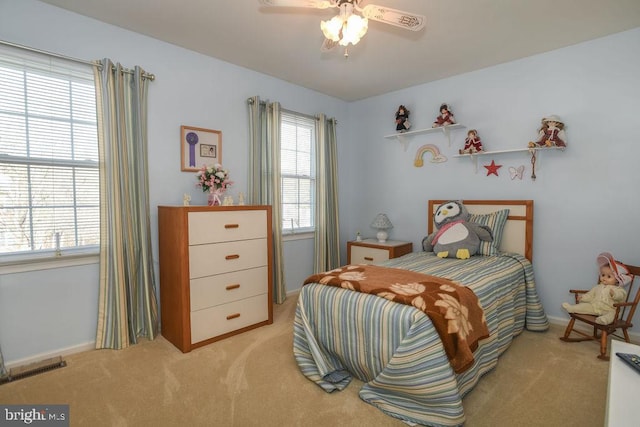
{"x": 309, "y": 116}
{"x": 145, "y": 75}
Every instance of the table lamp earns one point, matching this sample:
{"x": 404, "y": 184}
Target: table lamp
{"x": 382, "y": 223}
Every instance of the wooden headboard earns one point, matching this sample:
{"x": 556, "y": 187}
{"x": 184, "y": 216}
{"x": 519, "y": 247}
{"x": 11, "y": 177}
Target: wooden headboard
{"x": 518, "y": 232}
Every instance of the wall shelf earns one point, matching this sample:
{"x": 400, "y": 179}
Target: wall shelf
{"x": 532, "y": 151}
{"x": 402, "y": 136}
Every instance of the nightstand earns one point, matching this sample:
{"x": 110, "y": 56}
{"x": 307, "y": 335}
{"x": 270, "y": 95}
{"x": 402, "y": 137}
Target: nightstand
{"x": 370, "y": 251}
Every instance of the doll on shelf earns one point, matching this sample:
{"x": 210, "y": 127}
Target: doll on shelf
{"x": 445, "y": 117}
{"x": 610, "y": 289}
{"x": 402, "y": 119}
{"x": 472, "y": 143}
{"x": 551, "y": 133}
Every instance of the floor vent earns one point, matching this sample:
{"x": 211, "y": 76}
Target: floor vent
{"x": 32, "y": 369}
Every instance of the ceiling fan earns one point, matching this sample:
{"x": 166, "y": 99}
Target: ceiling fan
{"x": 348, "y": 27}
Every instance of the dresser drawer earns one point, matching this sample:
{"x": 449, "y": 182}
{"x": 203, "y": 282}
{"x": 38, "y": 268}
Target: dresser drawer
{"x": 217, "y": 258}
{"x": 222, "y": 319}
{"x": 364, "y": 255}
{"x": 224, "y": 288}
{"x": 225, "y": 226}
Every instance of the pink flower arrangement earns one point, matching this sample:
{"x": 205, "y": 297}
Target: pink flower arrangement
{"x": 213, "y": 178}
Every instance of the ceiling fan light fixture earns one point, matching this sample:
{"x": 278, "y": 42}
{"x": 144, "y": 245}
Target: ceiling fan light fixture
{"x": 353, "y": 30}
{"x": 332, "y": 28}
{"x": 352, "y": 21}
{"x": 346, "y": 27}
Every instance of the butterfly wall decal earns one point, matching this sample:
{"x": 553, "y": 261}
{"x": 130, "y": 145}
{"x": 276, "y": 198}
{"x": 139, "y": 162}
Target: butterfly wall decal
{"x": 516, "y": 172}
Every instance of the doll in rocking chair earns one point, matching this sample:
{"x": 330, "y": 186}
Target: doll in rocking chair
{"x": 614, "y": 276}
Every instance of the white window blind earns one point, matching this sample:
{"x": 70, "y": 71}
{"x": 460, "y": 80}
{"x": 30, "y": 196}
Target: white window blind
{"x": 297, "y": 167}
{"x": 49, "y": 183}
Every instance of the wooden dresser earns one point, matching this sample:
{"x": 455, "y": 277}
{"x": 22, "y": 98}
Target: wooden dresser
{"x": 215, "y": 272}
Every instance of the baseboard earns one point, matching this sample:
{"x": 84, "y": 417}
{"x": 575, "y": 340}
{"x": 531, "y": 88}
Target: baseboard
{"x": 293, "y": 294}
{"x": 559, "y": 321}
{"x": 563, "y": 321}
{"x": 91, "y": 345}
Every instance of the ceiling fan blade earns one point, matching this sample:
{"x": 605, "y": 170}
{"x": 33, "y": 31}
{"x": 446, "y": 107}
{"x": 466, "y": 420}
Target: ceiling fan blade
{"x": 328, "y": 45}
{"x": 317, "y": 4}
{"x": 399, "y": 18}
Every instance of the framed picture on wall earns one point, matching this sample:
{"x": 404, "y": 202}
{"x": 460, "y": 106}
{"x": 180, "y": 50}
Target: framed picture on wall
{"x": 199, "y": 147}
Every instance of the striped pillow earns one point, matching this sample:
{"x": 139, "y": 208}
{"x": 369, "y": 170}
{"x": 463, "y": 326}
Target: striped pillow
{"x": 495, "y": 221}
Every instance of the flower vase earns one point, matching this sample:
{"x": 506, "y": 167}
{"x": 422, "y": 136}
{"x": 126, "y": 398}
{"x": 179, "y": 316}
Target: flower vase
{"x": 214, "y": 197}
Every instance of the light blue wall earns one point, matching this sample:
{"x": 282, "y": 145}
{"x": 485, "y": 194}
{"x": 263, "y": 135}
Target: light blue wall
{"x": 48, "y": 310}
{"x": 585, "y": 197}
{"x": 190, "y": 89}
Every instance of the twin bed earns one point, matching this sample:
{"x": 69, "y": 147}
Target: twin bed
{"x": 421, "y": 342}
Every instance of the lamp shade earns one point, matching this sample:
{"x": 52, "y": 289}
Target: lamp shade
{"x": 353, "y": 30}
{"x": 382, "y": 223}
{"x": 332, "y": 28}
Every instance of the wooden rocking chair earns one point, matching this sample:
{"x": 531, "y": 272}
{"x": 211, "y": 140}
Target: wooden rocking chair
{"x": 624, "y": 316}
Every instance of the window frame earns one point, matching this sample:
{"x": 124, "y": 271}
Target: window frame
{"x": 306, "y": 122}
{"x": 44, "y": 66}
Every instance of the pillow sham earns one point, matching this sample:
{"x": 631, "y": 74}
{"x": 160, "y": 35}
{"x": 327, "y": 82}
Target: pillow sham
{"x": 496, "y": 222}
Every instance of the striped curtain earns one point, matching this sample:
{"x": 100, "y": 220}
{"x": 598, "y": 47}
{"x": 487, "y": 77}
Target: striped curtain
{"x": 264, "y": 177}
{"x": 327, "y": 236}
{"x": 128, "y": 306}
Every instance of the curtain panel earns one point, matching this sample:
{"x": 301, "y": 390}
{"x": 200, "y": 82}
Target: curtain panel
{"x": 264, "y": 177}
{"x": 265, "y": 186}
{"x": 128, "y": 307}
{"x": 327, "y": 235}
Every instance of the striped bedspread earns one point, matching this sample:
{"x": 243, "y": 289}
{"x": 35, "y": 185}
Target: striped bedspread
{"x": 454, "y": 310}
{"x": 394, "y": 348}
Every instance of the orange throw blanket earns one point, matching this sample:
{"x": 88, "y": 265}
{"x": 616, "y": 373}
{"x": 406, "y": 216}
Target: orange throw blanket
{"x": 454, "y": 309}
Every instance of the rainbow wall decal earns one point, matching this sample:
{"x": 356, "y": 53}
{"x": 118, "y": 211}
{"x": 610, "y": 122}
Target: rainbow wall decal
{"x": 435, "y": 152}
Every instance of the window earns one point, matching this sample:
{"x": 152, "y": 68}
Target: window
{"x": 297, "y": 167}
{"x": 49, "y": 187}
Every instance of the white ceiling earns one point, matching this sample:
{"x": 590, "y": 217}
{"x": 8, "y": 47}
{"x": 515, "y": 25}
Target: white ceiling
{"x": 459, "y": 36}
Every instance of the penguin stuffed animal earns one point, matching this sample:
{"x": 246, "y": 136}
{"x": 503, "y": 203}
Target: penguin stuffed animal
{"x": 455, "y": 236}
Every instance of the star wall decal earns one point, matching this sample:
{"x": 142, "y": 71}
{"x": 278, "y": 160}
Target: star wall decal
{"x": 492, "y": 168}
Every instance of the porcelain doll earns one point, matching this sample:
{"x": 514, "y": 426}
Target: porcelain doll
{"x": 609, "y": 290}
{"x": 472, "y": 143}
{"x": 551, "y": 133}
{"x": 402, "y": 119}
{"x": 445, "y": 118}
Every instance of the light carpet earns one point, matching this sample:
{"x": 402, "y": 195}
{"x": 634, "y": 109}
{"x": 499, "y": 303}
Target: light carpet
{"x": 252, "y": 380}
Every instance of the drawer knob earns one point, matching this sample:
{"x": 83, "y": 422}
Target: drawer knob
{"x": 233, "y": 316}
{"x": 231, "y": 225}
{"x": 234, "y": 256}
{"x": 232, "y": 287}
{"x": 368, "y": 258}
